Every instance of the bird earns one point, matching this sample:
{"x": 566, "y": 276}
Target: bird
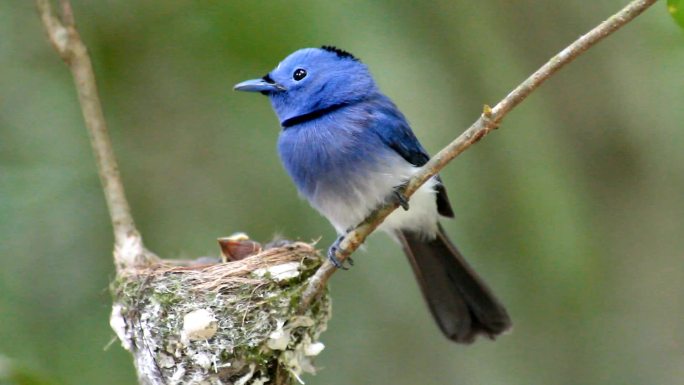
{"x": 349, "y": 149}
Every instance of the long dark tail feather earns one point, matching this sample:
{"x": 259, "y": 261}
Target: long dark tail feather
{"x": 458, "y": 298}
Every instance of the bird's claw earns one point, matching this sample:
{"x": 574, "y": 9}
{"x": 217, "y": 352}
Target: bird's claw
{"x": 401, "y": 199}
{"x": 332, "y": 255}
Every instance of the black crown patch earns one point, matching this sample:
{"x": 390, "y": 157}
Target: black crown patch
{"x": 339, "y": 52}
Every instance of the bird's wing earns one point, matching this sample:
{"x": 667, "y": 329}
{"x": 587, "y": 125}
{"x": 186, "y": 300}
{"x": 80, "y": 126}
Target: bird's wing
{"x": 391, "y": 126}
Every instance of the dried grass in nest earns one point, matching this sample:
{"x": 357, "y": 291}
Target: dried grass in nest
{"x": 222, "y": 323}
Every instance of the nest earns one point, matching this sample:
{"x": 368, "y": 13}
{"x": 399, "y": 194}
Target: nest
{"x": 222, "y": 323}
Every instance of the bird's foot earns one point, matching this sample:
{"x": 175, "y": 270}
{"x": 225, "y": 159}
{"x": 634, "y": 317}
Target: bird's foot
{"x": 399, "y": 198}
{"x": 332, "y": 255}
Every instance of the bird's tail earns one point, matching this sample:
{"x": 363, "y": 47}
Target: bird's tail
{"x": 460, "y": 301}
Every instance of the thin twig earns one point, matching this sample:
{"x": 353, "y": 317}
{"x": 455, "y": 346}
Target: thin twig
{"x": 128, "y": 245}
{"x": 487, "y": 122}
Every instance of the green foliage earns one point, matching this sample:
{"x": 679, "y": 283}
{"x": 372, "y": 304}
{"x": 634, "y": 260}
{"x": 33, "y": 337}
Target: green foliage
{"x": 676, "y": 9}
{"x": 13, "y": 374}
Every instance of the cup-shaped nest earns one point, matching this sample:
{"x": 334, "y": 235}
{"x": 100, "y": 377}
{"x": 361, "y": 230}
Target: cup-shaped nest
{"x": 222, "y": 323}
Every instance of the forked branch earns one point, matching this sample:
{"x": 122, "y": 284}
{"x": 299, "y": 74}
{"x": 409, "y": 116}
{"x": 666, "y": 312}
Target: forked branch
{"x": 129, "y": 249}
{"x": 128, "y": 246}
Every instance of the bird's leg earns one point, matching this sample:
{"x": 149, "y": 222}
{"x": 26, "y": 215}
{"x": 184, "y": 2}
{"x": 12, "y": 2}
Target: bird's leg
{"x": 399, "y": 198}
{"x": 332, "y": 254}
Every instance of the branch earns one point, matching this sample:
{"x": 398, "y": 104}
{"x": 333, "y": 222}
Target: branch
{"x": 128, "y": 246}
{"x": 487, "y": 122}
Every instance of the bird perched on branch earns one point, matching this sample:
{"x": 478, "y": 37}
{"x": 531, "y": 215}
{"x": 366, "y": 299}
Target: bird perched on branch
{"x": 349, "y": 149}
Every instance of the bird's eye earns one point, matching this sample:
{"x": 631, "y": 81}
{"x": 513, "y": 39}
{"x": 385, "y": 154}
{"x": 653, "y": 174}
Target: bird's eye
{"x": 299, "y": 74}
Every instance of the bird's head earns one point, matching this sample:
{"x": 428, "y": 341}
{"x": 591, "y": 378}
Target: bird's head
{"x": 313, "y": 79}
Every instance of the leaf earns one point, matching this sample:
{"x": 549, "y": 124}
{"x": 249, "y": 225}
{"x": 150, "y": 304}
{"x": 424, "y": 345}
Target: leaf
{"x": 676, "y": 9}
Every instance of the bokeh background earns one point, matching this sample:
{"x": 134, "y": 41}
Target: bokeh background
{"x": 573, "y": 211}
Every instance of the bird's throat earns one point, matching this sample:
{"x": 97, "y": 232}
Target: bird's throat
{"x": 309, "y": 116}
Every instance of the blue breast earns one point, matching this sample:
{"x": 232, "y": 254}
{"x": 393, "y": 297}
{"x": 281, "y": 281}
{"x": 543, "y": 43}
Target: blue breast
{"x": 323, "y": 155}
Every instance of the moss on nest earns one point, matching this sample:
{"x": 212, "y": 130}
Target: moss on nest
{"x": 224, "y": 323}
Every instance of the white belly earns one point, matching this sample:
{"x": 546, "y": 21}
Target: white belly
{"x": 347, "y": 206}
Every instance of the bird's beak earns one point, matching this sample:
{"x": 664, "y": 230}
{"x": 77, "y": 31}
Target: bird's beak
{"x": 264, "y": 85}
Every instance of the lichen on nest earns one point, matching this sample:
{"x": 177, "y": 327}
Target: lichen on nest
{"x": 223, "y": 323}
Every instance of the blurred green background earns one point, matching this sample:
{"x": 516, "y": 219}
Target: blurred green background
{"x": 573, "y": 211}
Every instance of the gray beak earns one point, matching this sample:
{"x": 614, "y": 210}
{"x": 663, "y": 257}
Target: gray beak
{"x": 259, "y": 85}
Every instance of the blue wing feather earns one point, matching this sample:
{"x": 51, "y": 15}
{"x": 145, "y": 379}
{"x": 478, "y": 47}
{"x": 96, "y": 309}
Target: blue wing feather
{"x": 391, "y": 126}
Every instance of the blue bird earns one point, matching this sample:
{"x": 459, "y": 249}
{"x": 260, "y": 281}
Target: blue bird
{"x": 348, "y": 149}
